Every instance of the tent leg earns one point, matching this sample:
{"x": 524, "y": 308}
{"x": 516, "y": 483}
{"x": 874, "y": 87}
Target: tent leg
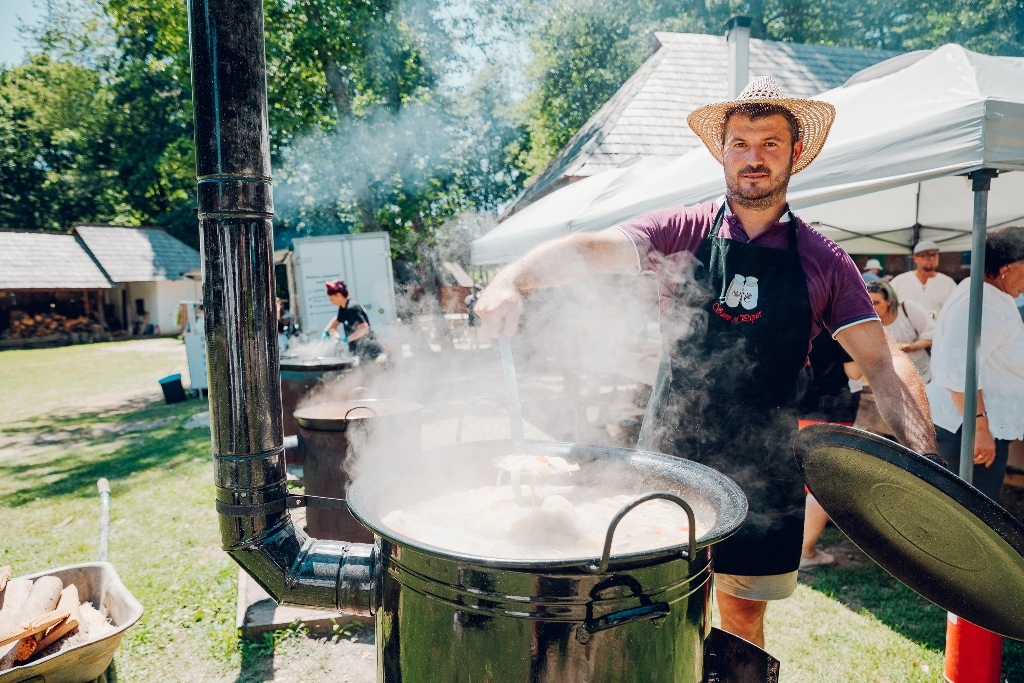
{"x": 981, "y": 182}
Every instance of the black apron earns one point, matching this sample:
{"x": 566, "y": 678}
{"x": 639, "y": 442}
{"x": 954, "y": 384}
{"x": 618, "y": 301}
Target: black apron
{"x": 735, "y": 340}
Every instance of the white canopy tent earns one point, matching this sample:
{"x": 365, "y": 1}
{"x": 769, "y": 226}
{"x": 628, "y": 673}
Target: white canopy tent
{"x": 886, "y": 178}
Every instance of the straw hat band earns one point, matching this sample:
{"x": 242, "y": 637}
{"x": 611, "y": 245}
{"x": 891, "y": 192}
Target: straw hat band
{"x": 815, "y": 118}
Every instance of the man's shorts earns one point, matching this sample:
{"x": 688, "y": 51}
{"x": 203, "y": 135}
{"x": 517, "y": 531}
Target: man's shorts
{"x": 771, "y": 587}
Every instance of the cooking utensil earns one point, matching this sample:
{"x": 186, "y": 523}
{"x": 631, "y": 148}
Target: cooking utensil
{"x": 515, "y": 415}
{"x": 922, "y": 523}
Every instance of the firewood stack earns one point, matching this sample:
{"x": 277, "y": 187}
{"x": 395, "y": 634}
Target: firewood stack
{"x": 24, "y": 325}
{"x": 38, "y": 618}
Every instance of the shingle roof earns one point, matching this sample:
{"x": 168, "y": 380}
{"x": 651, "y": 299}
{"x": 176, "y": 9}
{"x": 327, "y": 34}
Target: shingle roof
{"x": 37, "y": 260}
{"x": 138, "y": 254}
{"x": 647, "y": 115}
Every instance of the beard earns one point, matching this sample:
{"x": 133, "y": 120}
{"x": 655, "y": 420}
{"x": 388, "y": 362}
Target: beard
{"x": 927, "y": 267}
{"x": 761, "y": 198}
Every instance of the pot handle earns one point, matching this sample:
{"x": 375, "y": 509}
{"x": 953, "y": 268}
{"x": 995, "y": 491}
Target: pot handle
{"x": 688, "y": 554}
{"x": 465, "y": 406}
{"x": 359, "y": 408}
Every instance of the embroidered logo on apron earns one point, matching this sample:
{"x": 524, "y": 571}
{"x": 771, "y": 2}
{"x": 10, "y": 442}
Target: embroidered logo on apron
{"x": 742, "y": 292}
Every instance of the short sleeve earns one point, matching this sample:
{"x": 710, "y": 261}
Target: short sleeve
{"x": 665, "y": 232}
{"x": 849, "y": 302}
{"x": 359, "y": 316}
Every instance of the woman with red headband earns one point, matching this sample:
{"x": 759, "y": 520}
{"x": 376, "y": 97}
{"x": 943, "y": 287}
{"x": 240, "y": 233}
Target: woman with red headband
{"x": 362, "y": 342}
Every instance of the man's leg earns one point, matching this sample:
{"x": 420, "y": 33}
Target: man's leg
{"x": 742, "y": 617}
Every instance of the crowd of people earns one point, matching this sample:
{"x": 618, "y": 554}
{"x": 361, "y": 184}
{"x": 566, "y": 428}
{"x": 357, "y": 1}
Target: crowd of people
{"x": 925, "y": 312}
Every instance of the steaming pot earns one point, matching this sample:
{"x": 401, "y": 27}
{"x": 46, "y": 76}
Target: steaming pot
{"x": 446, "y": 616}
{"x": 299, "y": 376}
{"x": 330, "y": 435}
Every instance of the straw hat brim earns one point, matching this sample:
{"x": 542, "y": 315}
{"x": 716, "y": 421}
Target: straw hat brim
{"x": 815, "y": 121}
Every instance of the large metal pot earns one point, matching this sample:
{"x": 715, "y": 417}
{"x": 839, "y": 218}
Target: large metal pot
{"x": 299, "y": 376}
{"x": 443, "y": 616}
{"x": 331, "y": 435}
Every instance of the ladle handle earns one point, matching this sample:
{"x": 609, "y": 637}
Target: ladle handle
{"x": 602, "y": 568}
{"x": 515, "y": 415}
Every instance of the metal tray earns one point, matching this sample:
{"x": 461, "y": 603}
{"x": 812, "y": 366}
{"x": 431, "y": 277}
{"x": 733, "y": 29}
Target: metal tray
{"x": 98, "y": 583}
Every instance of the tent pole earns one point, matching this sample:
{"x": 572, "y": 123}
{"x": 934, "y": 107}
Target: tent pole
{"x": 981, "y": 181}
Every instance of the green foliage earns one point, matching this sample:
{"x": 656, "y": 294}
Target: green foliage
{"x": 54, "y": 148}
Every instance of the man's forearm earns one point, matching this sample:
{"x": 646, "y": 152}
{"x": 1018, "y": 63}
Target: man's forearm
{"x": 903, "y": 403}
{"x": 570, "y": 258}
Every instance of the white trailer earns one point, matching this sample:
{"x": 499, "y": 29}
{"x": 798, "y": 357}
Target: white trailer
{"x": 363, "y": 261}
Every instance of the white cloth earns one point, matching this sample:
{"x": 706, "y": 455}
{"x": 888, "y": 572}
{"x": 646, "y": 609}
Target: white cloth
{"x": 931, "y": 295}
{"x": 1000, "y": 362}
{"x": 912, "y": 323}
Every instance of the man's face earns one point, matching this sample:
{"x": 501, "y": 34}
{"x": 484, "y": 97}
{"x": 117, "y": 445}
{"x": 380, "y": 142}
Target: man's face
{"x": 758, "y": 157}
{"x": 928, "y": 261}
{"x": 337, "y": 299}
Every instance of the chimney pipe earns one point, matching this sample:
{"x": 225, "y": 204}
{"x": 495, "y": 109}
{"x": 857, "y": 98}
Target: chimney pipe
{"x": 737, "y": 36}
{"x": 235, "y": 218}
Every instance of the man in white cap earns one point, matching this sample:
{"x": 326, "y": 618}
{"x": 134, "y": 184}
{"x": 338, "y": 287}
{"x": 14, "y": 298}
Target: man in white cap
{"x": 925, "y": 285}
{"x": 745, "y": 286}
{"x": 871, "y": 270}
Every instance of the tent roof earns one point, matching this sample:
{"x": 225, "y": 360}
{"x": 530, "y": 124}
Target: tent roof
{"x": 883, "y": 179}
{"x": 138, "y": 254}
{"x": 646, "y": 117}
{"x": 39, "y": 260}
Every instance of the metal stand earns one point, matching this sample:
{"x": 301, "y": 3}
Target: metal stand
{"x": 981, "y": 181}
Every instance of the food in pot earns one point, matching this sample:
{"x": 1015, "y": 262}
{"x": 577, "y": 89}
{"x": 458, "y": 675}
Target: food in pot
{"x": 565, "y": 522}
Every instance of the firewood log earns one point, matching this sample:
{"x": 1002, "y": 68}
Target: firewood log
{"x": 43, "y": 598}
{"x": 31, "y": 627}
{"x": 15, "y": 597}
{"x": 68, "y": 603}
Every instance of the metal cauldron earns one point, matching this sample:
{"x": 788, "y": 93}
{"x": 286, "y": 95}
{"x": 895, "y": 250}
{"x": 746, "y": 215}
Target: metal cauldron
{"x": 299, "y": 376}
{"x": 443, "y": 616}
{"x": 330, "y": 436}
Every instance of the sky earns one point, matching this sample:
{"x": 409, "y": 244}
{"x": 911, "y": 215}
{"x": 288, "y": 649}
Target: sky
{"x": 12, "y": 14}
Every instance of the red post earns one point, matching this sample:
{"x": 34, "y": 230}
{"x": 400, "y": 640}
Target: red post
{"x": 973, "y": 655}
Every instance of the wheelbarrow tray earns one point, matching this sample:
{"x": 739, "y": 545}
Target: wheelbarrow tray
{"x": 99, "y": 584}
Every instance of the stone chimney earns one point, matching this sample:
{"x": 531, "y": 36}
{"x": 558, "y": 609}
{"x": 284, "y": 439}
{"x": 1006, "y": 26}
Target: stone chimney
{"x": 737, "y": 37}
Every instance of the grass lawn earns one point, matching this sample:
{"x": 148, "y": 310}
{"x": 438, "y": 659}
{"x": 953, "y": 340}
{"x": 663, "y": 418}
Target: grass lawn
{"x": 849, "y": 623}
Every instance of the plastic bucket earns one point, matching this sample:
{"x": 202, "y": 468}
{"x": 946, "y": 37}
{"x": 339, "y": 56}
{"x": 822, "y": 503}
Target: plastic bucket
{"x": 174, "y": 392}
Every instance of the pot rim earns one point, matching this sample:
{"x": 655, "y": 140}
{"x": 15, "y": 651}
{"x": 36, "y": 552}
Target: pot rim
{"x": 307, "y": 420}
{"x": 729, "y": 501}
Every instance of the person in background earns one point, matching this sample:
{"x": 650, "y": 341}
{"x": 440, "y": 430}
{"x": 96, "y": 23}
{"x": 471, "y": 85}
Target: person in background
{"x": 832, "y": 396}
{"x": 872, "y": 270}
{"x": 362, "y": 342}
{"x": 925, "y": 285}
{"x": 907, "y": 324}
{"x": 1000, "y": 413}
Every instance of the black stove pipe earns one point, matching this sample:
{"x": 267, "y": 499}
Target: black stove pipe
{"x": 235, "y": 219}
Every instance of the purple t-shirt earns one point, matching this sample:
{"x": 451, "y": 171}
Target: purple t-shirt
{"x": 667, "y": 239}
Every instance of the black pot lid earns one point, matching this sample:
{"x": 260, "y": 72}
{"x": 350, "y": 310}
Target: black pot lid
{"x": 923, "y": 524}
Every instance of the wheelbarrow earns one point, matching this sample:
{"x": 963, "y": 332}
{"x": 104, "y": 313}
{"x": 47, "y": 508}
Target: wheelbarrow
{"x": 99, "y": 584}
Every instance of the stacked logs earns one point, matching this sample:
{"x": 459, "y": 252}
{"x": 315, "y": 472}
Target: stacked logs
{"x": 24, "y": 325}
{"x": 40, "y": 617}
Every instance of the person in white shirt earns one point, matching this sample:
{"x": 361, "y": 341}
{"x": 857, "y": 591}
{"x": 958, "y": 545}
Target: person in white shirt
{"x": 906, "y": 323}
{"x": 925, "y": 285}
{"x": 1000, "y": 416}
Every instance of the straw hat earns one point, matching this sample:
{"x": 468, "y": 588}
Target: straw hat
{"x": 815, "y": 118}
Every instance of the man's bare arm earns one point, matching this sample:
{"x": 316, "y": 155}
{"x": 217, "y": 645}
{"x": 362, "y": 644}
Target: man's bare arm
{"x": 553, "y": 263}
{"x": 899, "y": 391}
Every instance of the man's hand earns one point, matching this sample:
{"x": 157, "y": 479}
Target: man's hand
{"x": 500, "y": 306}
{"x": 984, "y": 444}
{"x": 898, "y": 389}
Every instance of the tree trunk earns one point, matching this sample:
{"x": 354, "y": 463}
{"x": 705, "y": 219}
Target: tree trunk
{"x": 332, "y": 71}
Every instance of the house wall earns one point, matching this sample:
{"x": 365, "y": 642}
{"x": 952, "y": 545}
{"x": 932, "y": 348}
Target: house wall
{"x": 161, "y": 301}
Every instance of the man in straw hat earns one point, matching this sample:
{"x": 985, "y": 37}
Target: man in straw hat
{"x": 744, "y": 287}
